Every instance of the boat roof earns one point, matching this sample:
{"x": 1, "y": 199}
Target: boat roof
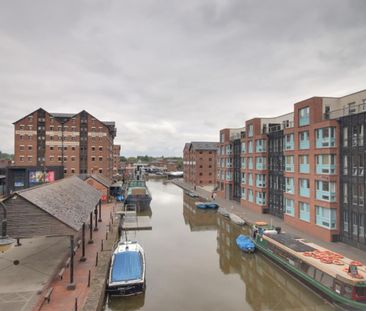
{"x": 333, "y": 270}
{"x": 291, "y": 242}
{"x": 127, "y": 266}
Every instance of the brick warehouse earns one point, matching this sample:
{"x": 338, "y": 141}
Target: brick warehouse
{"x": 199, "y": 163}
{"x": 306, "y": 167}
{"x": 79, "y": 142}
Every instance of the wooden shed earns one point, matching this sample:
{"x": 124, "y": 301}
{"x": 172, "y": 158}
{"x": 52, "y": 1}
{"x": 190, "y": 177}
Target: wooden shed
{"x": 100, "y": 183}
{"x": 62, "y": 208}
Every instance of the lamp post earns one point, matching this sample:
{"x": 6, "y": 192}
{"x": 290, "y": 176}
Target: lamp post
{"x": 5, "y": 241}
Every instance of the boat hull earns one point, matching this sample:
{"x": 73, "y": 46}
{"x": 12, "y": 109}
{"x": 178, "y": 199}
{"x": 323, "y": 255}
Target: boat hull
{"x": 126, "y": 290}
{"x": 311, "y": 283}
{"x": 141, "y": 202}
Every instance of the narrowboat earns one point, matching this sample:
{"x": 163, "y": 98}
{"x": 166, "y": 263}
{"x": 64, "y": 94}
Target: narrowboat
{"x": 335, "y": 277}
{"x": 137, "y": 193}
{"x": 127, "y": 272}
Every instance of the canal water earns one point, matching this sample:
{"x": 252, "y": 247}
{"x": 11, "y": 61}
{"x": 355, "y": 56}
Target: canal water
{"x": 193, "y": 264}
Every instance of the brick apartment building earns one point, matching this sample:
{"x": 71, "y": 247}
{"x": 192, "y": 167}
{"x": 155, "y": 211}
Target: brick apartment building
{"x": 116, "y": 159}
{"x": 228, "y": 163}
{"x": 199, "y": 163}
{"x": 80, "y": 143}
{"x": 306, "y": 167}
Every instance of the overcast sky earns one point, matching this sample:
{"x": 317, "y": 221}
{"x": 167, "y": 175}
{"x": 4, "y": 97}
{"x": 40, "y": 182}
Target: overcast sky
{"x": 171, "y": 71}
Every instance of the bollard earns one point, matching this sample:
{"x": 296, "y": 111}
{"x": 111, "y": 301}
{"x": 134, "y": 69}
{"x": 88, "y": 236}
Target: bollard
{"x": 101, "y": 245}
{"x": 96, "y": 260}
{"x": 76, "y": 303}
{"x": 89, "y": 278}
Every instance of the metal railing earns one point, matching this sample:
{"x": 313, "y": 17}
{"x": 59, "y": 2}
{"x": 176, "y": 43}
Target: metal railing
{"x": 345, "y": 111}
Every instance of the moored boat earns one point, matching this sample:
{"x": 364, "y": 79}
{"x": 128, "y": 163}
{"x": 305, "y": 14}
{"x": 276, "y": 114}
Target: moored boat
{"x": 206, "y": 205}
{"x": 236, "y": 219}
{"x": 138, "y": 193}
{"x": 127, "y": 272}
{"x": 245, "y": 243}
{"x": 337, "y": 278}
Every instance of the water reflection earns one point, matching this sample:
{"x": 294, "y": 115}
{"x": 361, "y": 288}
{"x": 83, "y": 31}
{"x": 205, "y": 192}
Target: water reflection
{"x": 198, "y": 220}
{"x": 193, "y": 264}
{"x": 267, "y": 287}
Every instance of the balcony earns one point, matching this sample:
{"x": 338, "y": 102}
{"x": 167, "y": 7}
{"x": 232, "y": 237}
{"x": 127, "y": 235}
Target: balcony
{"x": 304, "y": 144}
{"x": 325, "y": 142}
{"x": 327, "y": 169}
{"x": 325, "y": 196}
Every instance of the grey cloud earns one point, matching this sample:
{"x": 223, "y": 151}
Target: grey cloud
{"x": 173, "y": 71}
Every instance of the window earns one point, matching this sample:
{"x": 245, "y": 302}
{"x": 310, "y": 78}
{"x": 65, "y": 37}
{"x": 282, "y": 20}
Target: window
{"x": 260, "y": 198}
{"x": 345, "y": 193}
{"x": 51, "y": 147}
{"x": 326, "y": 191}
{"x": 345, "y": 165}
{"x": 250, "y": 146}
{"x": 260, "y": 180}
{"x": 100, "y": 148}
{"x": 304, "y": 142}
{"x": 29, "y": 158}
{"x": 304, "y": 116}
{"x": 260, "y": 145}
{"x": 250, "y": 163}
{"x": 52, "y": 158}
{"x": 325, "y": 217}
{"x": 21, "y": 147}
{"x": 289, "y": 185}
{"x": 101, "y": 159}
{"x": 250, "y": 130}
{"x": 304, "y": 188}
{"x": 345, "y": 136}
{"x": 289, "y": 142}
{"x": 250, "y": 179}
{"x": 250, "y": 195}
{"x": 289, "y": 207}
{"x": 304, "y": 211}
{"x": 260, "y": 163}
{"x": 304, "y": 164}
{"x": 101, "y": 171}
{"x": 73, "y": 158}
{"x": 289, "y": 163}
{"x": 325, "y": 137}
{"x": 326, "y": 164}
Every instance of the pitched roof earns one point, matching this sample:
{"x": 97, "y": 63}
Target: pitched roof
{"x": 101, "y": 179}
{"x": 204, "y": 145}
{"x": 70, "y": 200}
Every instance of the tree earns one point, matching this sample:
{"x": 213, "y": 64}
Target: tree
{"x": 6, "y": 156}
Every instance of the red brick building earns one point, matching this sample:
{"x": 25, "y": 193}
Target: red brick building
{"x": 199, "y": 163}
{"x": 79, "y": 142}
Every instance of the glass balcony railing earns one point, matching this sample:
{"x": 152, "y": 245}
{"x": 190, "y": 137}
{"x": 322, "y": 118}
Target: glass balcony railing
{"x": 304, "y": 144}
{"x": 325, "y": 196}
{"x": 304, "y": 192}
{"x": 304, "y": 168}
{"x": 328, "y": 169}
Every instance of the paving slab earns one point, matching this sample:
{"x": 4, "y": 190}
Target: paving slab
{"x": 26, "y": 269}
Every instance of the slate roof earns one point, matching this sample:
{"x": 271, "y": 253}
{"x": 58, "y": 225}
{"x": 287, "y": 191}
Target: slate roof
{"x": 204, "y": 145}
{"x": 62, "y": 115}
{"x": 99, "y": 178}
{"x": 70, "y": 200}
